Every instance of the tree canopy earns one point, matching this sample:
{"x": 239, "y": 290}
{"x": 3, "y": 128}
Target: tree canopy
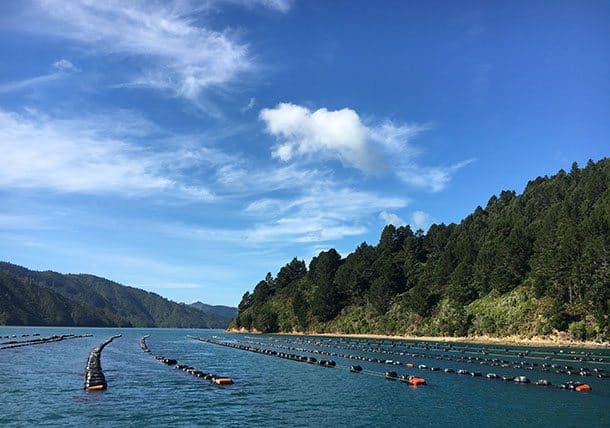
{"x": 543, "y": 256}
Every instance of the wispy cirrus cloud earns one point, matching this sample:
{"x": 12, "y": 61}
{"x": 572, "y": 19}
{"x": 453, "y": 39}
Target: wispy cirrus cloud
{"x": 282, "y": 6}
{"x": 302, "y": 230}
{"x": 249, "y": 106}
{"x": 327, "y": 199}
{"x": 118, "y": 153}
{"x": 175, "y": 51}
{"x": 342, "y": 135}
{"x": 122, "y": 152}
{"x": 282, "y": 231}
{"x": 433, "y": 179}
{"x": 279, "y": 5}
{"x": 316, "y": 215}
{"x": 9, "y": 221}
{"x": 92, "y": 155}
{"x": 242, "y": 177}
{"x": 65, "y": 66}
{"x": 60, "y": 69}
{"x": 321, "y": 213}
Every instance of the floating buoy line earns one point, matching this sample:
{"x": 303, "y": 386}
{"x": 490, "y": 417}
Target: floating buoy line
{"x": 411, "y": 380}
{"x": 506, "y": 352}
{"x": 94, "y": 376}
{"x": 485, "y": 360}
{"x": 214, "y": 379}
{"x": 23, "y": 335}
{"x": 39, "y": 340}
{"x": 570, "y": 385}
{"x": 425, "y": 346}
{"x": 560, "y": 355}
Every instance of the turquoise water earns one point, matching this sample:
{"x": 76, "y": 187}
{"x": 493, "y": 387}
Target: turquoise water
{"x": 42, "y": 385}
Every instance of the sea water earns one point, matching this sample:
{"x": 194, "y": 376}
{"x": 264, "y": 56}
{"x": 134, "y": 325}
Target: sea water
{"x": 42, "y": 385}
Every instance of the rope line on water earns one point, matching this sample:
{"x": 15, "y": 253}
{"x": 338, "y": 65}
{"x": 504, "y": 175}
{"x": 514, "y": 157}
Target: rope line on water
{"x": 583, "y": 357}
{"x": 412, "y": 380}
{"x": 570, "y": 385}
{"x": 214, "y": 379}
{"x": 40, "y": 341}
{"x": 568, "y": 370}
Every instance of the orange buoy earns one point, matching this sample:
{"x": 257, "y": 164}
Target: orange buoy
{"x": 409, "y": 365}
{"x": 583, "y": 387}
{"x": 416, "y": 381}
{"x": 96, "y": 388}
{"x": 223, "y": 381}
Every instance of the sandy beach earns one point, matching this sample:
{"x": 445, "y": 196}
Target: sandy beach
{"x": 558, "y": 340}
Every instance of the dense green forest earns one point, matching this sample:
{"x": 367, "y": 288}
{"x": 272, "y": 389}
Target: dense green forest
{"x": 529, "y": 264}
{"x": 49, "y": 298}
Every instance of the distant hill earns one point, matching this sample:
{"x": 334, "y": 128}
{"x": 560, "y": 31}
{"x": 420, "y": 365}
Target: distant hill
{"x": 226, "y": 313}
{"x": 23, "y": 303}
{"x": 49, "y": 298}
{"x": 529, "y": 264}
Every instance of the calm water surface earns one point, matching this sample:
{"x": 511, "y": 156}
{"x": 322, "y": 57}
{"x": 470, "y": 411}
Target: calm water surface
{"x": 41, "y": 385}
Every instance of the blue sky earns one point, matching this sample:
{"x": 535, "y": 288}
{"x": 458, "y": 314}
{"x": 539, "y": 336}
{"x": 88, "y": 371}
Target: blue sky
{"x": 188, "y": 148}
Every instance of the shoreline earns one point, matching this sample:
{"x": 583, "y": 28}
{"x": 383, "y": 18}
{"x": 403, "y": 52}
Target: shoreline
{"x": 559, "y": 341}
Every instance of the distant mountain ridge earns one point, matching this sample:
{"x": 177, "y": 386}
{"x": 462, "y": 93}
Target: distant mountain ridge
{"x": 227, "y": 313}
{"x": 30, "y": 297}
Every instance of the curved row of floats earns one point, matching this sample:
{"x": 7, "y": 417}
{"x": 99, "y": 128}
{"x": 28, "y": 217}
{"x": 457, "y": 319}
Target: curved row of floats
{"x": 214, "y": 379}
{"x": 94, "y": 376}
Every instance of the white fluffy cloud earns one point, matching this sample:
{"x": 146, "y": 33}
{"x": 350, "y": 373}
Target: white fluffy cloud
{"x": 420, "y": 220}
{"x": 341, "y": 134}
{"x": 391, "y": 218}
{"x": 336, "y": 134}
{"x": 176, "y": 53}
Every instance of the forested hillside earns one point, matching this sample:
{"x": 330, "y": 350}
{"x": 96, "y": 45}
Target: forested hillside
{"x": 49, "y": 298}
{"x": 224, "y": 314}
{"x": 22, "y": 303}
{"x": 527, "y": 264}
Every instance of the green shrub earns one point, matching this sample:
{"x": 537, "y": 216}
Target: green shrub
{"x": 578, "y": 329}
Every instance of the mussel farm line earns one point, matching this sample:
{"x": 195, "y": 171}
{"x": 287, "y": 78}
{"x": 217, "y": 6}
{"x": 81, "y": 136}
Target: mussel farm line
{"x": 94, "y": 376}
{"x": 485, "y": 360}
{"x": 523, "y": 365}
{"x": 14, "y": 336}
{"x": 570, "y": 385}
{"x": 40, "y": 340}
{"x": 390, "y": 375}
{"x": 216, "y": 380}
{"x": 425, "y": 346}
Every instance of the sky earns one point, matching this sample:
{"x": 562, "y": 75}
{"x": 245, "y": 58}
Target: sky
{"x": 190, "y": 147}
